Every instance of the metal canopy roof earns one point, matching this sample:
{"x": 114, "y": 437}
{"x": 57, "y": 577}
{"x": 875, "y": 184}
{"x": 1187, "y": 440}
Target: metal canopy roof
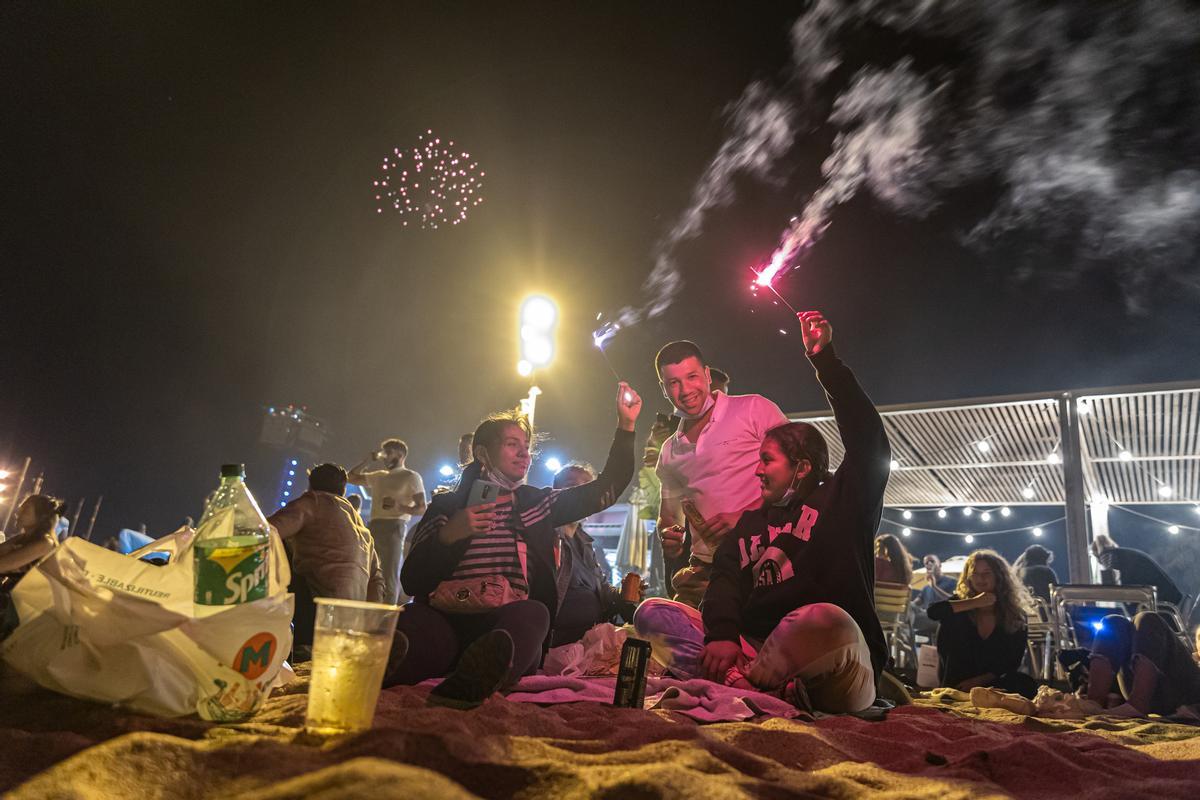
{"x": 1134, "y": 441}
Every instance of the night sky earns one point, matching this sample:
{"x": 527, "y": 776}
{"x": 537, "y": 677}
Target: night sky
{"x": 188, "y": 235}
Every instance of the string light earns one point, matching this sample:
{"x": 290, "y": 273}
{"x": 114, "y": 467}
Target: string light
{"x": 942, "y": 513}
{"x": 986, "y": 516}
{"x": 906, "y": 532}
{"x": 429, "y": 183}
{"x": 1028, "y": 492}
{"x": 1165, "y": 491}
{"x": 895, "y": 465}
{"x": 968, "y": 511}
{"x": 907, "y": 514}
{"x": 1083, "y": 406}
{"x": 1053, "y": 457}
{"x": 1037, "y": 532}
{"x": 983, "y": 445}
{"x": 1005, "y": 511}
{"x": 969, "y": 539}
{"x": 1125, "y": 455}
{"x": 1172, "y": 529}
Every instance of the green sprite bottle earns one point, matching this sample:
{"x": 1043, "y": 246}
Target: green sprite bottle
{"x": 231, "y": 569}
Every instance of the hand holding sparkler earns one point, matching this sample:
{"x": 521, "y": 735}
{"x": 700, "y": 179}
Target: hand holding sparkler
{"x": 815, "y": 330}
{"x": 629, "y": 405}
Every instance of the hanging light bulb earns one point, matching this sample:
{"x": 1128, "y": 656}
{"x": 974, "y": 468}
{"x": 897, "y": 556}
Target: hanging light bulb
{"x": 1125, "y": 455}
{"x": 942, "y": 512}
{"x": 983, "y": 445}
{"x": 906, "y": 532}
{"x": 1165, "y": 491}
{"x": 1005, "y": 511}
{"x": 1037, "y": 531}
{"x": 907, "y": 514}
{"x": 1172, "y": 529}
{"x": 969, "y": 539}
{"x": 986, "y": 516}
{"x": 968, "y": 511}
{"x": 1053, "y": 458}
{"x": 1027, "y": 492}
{"x": 895, "y": 465}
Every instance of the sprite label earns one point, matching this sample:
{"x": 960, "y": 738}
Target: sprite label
{"x": 231, "y": 571}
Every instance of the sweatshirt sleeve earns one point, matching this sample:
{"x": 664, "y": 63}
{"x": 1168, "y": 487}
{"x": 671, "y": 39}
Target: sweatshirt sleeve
{"x": 431, "y": 561}
{"x": 868, "y": 452}
{"x": 940, "y": 611}
{"x": 572, "y": 505}
{"x": 723, "y": 600}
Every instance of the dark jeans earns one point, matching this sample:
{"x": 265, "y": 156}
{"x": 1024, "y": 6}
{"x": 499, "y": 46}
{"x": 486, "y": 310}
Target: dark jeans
{"x": 436, "y": 640}
{"x": 1149, "y": 637}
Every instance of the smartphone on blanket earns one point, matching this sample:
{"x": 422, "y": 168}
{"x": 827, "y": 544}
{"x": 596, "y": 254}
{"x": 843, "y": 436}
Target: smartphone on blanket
{"x": 483, "y": 492}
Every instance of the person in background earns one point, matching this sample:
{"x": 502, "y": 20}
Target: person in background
{"x": 465, "y": 444}
{"x": 1135, "y": 568}
{"x": 397, "y": 495}
{"x": 938, "y": 587}
{"x": 720, "y": 380}
{"x": 1033, "y": 570}
{"x": 650, "y": 492}
{"x": 355, "y": 500}
{"x": 981, "y": 638}
{"x": 790, "y": 608}
{"x": 893, "y": 564}
{"x": 589, "y": 598}
{"x": 1153, "y": 669}
{"x": 707, "y": 487}
{"x": 484, "y": 577}
{"x": 332, "y": 552}
{"x": 37, "y": 520}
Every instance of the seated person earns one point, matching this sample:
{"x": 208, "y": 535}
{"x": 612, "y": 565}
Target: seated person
{"x": 37, "y": 520}
{"x": 790, "y": 607}
{"x": 938, "y": 587}
{"x": 1153, "y": 669}
{"x": 893, "y": 564}
{"x": 590, "y": 598}
{"x": 331, "y": 549}
{"x": 484, "y": 579}
{"x": 1135, "y": 568}
{"x": 982, "y": 635}
{"x": 1033, "y": 570}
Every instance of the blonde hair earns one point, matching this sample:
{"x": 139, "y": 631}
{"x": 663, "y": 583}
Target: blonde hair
{"x": 1012, "y": 599}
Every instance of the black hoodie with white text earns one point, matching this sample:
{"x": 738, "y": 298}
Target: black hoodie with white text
{"x": 818, "y": 548}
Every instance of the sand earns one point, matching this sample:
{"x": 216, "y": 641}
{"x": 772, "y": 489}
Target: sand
{"x": 56, "y": 747}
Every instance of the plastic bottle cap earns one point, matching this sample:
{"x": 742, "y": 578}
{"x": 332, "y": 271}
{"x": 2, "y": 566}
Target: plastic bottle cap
{"x": 233, "y": 470}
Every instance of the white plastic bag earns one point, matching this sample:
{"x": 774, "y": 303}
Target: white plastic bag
{"x": 105, "y": 626}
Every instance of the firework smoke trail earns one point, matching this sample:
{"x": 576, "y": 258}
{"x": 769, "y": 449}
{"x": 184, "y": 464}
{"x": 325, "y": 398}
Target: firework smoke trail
{"x": 1086, "y": 114}
{"x": 760, "y": 132}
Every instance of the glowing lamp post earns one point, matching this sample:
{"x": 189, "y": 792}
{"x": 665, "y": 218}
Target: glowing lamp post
{"x": 538, "y": 320}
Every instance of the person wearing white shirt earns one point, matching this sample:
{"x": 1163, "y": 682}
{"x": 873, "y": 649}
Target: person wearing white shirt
{"x": 707, "y": 466}
{"x": 397, "y": 495}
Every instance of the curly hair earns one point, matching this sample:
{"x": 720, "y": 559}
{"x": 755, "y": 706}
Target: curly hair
{"x": 1012, "y": 599}
{"x": 801, "y": 441}
{"x": 896, "y": 553}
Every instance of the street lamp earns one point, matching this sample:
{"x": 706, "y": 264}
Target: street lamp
{"x": 538, "y": 319}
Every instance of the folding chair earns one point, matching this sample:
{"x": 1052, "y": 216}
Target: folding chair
{"x": 892, "y": 608}
{"x": 1042, "y": 640}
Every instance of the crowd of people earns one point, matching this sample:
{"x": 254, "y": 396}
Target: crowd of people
{"x": 767, "y": 560}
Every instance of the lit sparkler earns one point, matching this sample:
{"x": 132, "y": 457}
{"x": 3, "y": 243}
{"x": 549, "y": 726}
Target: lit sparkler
{"x": 429, "y": 184}
{"x": 600, "y": 337}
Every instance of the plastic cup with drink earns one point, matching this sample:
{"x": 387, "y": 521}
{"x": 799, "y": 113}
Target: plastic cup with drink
{"x": 351, "y": 643}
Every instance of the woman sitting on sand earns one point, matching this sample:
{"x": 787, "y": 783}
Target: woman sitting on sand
{"x": 790, "y": 607}
{"x": 1153, "y": 669}
{"x": 485, "y": 577}
{"x": 982, "y": 636}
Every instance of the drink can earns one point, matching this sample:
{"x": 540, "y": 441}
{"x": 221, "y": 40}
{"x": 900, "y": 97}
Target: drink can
{"x": 231, "y": 571}
{"x": 631, "y": 675}
{"x": 631, "y": 587}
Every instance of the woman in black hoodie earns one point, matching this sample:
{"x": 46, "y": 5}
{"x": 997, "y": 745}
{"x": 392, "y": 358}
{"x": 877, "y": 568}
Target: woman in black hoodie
{"x": 485, "y": 578}
{"x": 790, "y": 607}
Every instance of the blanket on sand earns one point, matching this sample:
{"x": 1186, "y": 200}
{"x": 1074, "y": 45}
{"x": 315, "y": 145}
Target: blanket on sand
{"x": 52, "y": 746}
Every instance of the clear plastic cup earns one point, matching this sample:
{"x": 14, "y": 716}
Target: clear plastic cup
{"x": 351, "y": 643}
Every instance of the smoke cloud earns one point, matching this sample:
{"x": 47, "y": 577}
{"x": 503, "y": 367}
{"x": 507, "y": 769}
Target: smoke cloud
{"x": 1084, "y": 116}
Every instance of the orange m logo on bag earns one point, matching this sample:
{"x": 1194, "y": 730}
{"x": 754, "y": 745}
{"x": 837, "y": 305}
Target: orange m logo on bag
{"x": 254, "y": 656}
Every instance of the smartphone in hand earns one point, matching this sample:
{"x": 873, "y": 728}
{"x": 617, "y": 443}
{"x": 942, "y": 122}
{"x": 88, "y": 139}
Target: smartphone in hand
{"x": 483, "y": 492}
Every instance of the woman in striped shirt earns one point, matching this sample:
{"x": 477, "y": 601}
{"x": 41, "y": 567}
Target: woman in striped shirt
{"x": 485, "y": 578}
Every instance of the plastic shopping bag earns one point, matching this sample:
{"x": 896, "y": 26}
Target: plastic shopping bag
{"x": 109, "y": 627}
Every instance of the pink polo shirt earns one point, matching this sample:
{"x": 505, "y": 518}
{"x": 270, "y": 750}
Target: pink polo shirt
{"x": 717, "y": 472}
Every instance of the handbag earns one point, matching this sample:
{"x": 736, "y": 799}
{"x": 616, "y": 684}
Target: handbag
{"x": 480, "y": 594}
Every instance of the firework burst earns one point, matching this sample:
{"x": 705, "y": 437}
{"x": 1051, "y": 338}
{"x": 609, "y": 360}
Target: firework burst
{"x": 429, "y": 184}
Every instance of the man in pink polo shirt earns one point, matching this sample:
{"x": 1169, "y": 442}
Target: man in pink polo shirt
{"x": 707, "y": 466}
